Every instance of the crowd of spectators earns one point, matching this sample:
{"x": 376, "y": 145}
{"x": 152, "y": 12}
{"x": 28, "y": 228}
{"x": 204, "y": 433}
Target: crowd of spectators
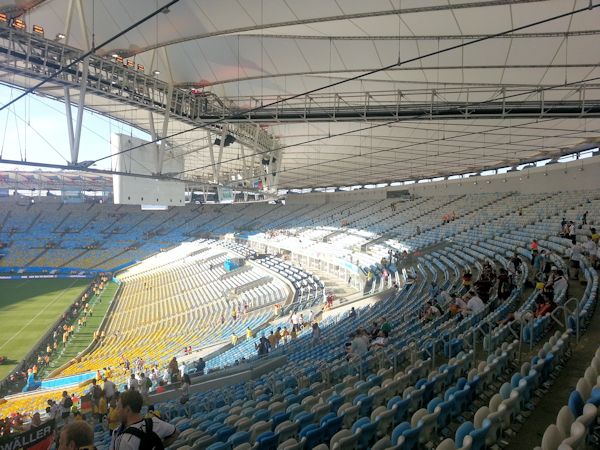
{"x": 57, "y": 337}
{"x": 365, "y": 338}
{"x": 118, "y": 412}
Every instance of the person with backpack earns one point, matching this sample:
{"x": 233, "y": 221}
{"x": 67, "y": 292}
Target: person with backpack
{"x": 95, "y": 392}
{"x": 66, "y": 404}
{"x": 262, "y": 346}
{"x": 137, "y": 432}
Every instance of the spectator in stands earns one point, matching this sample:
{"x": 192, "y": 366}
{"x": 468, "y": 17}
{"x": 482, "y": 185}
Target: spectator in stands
{"x": 352, "y": 313}
{"x": 102, "y": 408}
{"x": 386, "y": 327}
{"x": 316, "y": 334}
{"x": 595, "y": 236}
{"x": 514, "y": 268}
{"x": 534, "y": 247}
{"x": 430, "y": 311}
{"x": 584, "y": 218}
{"x": 200, "y": 366}
{"x": 144, "y": 385}
{"x": 132, "y": 383}
{"x": 184, "y": 390}
{"x": 95, "y": 392}
{"x": 277, "y": 335}
{"x": 539, "y": 262}
{"x": 467, "y": 278}
{"x": 153, "y": 376}
{"x": 560, "y": 286}
{"x": 374, "y": 331}
{"x": 183, "y": 369}
{"x": 575, "y": 254}
{"x": 552, "y": 276}
{"x": 571, "y": 231}
{"x": 263, "y": 345}
{"x": 272, "y": 340}
{"x": 544, "y": 305}
{"x": 36, "y": 420}
{"x": 76, "y": 435}
{"x": 358, "y": 346}
{"x": 590, "y": 249}
{"x": 249, "y": 334}
{"x": 65, "y": 405}
{"x": 294, "y": 321}
{"x": 285, "y": 335}
{"x": 113, "y": 416}
{"x": 474, "y": 303}
{"x": 380, "y": 341}
{"x": 504, "y": 285}
{"x": 134, "y": 427}
{"x": 53, "y": 409}
{"x": 161, "y": 387}
{"x": 173, "y": 370}
{"x": 234, "y": 339}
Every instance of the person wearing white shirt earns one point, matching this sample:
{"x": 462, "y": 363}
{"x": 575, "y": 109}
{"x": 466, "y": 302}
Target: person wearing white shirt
{"x": 591, "y": 249}
{"x": 458, "y": 301}
{"x": 359, "y": 346}
{"x": 133, "y": 384}
{"x": 294, "y": 320}
{"x": 590, "y": 246}
{"x": 560, "y": 286}
{"x": 109, "y": 389}
{"x": 475, "y": 304}
{"x": 124, "y": 438}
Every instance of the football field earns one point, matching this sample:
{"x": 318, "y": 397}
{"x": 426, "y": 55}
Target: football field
{"x": 27, "y": 310}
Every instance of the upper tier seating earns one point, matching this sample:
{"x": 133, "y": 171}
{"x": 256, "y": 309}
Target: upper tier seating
{"x": 450, "y": 382}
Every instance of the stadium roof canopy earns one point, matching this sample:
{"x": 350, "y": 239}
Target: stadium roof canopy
{"x": 377, "y": 90}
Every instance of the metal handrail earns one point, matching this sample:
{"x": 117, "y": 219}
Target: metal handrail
{"x": 479, "y": 329}
{"x": 577, "y": 311}
{"x": 524, "y": 320}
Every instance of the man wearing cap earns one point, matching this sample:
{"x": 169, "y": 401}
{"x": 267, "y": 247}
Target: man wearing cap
{"x": 552, "y": 277}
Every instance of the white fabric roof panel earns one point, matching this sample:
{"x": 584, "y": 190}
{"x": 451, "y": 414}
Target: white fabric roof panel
{"x": 255, "y": 51}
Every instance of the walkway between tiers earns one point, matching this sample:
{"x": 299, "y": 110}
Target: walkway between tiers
{"x": 342, "y": 292}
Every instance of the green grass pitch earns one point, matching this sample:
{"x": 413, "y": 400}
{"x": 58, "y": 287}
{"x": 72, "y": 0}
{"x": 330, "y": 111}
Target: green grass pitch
{"x": 27, "y": 310}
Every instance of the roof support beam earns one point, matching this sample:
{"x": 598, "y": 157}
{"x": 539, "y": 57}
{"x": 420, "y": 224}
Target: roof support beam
{"x": 433, "y": 109}
{"x": 221, "y": 147}
{"x": 360, "y": 15}
{"x": 211, "y": 153}
{"x": 68, "y": 21}
{"x": 245, "y": 173}
{"x": 160, "y": 150}
{"x": 341, "y": 72}
{"x": 430, "y": 37}
{"x": 83, "y": 25}
{"x": 74, "y": 134}
{"x": 80, "y": 111}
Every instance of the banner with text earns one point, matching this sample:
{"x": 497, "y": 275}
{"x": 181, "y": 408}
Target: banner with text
{"x": 39, "y": 438}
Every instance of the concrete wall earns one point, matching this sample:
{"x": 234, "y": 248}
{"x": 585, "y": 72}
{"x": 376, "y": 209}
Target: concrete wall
{"x": 573, "y": 176}
{"x": 318, "y": 198}
{"x": 578, "y": 175}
